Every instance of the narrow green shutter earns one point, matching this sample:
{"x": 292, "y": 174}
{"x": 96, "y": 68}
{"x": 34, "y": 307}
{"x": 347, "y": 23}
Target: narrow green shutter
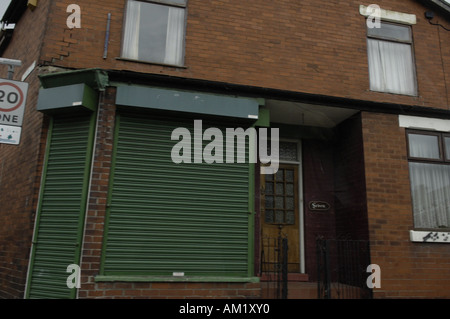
{"x": 166, "y": 217}
{"x": 60, "y": 220}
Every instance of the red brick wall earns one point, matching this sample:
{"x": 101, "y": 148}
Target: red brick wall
{"x": 95, "y": 216}
{"x": 318, "y": 170}
{"x": 407, "y": 269}
{"x": 350, "y": 192}
{"x": 301, "y": 46}
{"x": 333, "y": 171}
{"x": 20, "y": 166}
{"x": 166, "y": 290}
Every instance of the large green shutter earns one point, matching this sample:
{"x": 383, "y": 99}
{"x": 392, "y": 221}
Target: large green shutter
{"x": 60, "y": 220}
{"x": 166, "y": 217}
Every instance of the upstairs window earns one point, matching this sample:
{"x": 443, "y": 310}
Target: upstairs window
{"x": 391, "y": 62}
{"x": 429, "y": 167}
{"x": 154, "y": 31}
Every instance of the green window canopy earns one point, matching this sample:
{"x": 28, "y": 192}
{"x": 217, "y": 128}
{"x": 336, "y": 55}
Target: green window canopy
{"x": 69, "y": 97}
{"x": 83, "y": 97}
{"x": 189, "y": 102}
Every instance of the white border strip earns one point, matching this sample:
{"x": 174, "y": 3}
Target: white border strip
{"x": 28, "y": 71}
{"x": 430, "y": 236}
{"x": 424, "y": 123}
{"x": 387, "y": 15}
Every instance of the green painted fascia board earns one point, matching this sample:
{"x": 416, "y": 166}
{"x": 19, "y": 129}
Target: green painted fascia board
{"x": 67, "y": 97}
{"x": 264, "y": 118}
{"x": 190, "y": 102}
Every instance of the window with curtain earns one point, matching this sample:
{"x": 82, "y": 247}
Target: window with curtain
{"x": 391, "y": 62}
{"x": 154, "y": 31}
{"x": 429, "y": 168}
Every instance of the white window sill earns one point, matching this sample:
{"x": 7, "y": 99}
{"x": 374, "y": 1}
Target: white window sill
{"x": 388, "y": 15}
{"x": 429, "y": 236}
{"x": 394, "y": 93}
{"x": 152, "y": 63}
{"x": 424, "y": 123}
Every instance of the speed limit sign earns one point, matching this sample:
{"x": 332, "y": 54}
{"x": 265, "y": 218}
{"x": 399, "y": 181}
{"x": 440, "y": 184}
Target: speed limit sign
{"x": 13, "y": 96}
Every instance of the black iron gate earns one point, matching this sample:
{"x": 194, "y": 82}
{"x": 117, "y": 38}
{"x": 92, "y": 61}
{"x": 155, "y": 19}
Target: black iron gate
{"x": 274, "y": 266}
{"x": 342, "y": 269}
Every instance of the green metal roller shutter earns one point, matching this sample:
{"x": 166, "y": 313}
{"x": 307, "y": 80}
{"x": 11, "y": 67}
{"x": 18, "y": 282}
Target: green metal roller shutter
{"x": 60, "y": 219}
{"x": 166, "y": 217}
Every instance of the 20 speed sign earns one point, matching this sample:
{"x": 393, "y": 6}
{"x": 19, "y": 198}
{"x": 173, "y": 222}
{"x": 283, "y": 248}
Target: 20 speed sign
{"x": 12, "y": 102}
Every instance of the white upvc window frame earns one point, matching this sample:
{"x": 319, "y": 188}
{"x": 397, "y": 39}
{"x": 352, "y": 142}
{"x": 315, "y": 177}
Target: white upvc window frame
{"x": 430, "y": 125}
{"x": 172, "y": 51}
{"x": 383, "y": 51}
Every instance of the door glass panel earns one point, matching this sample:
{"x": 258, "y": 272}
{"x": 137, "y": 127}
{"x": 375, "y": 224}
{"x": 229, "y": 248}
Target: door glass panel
{"x": 279, "y": 194}
{"x": 269, "y": 216}
{"x": 290, "y": 189}
{"x": 269, "y": 188}
{"x": 280, "y": 189}
{"x": 288, "y": 151}
{"x": 269, "y": 201}
{"x": 289, "y": 202}
{"x": 290, "y": 217}
{"x": 279, "y": 217}
{"x": 280, "y": 175}
{"x": 289, "y": 175}
{"x": 279, "y": 202}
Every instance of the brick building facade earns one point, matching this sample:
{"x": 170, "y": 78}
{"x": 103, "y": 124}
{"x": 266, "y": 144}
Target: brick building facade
{"x": 92, "y": 182}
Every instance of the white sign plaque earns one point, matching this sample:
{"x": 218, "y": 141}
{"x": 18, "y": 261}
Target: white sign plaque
{"x": 13, "y": 95}
{"x": 10, "y": 134}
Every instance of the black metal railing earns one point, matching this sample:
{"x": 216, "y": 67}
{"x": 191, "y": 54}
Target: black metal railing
{"x": 274, "y": 267}
{"x": 342, "y": 269}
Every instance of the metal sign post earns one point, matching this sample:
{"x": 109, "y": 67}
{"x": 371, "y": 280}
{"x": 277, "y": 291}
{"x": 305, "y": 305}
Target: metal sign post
{"x": 11, "y": 64}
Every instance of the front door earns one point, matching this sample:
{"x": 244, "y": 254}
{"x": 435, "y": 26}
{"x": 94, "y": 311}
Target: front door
{"x": 280, "y": 212}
